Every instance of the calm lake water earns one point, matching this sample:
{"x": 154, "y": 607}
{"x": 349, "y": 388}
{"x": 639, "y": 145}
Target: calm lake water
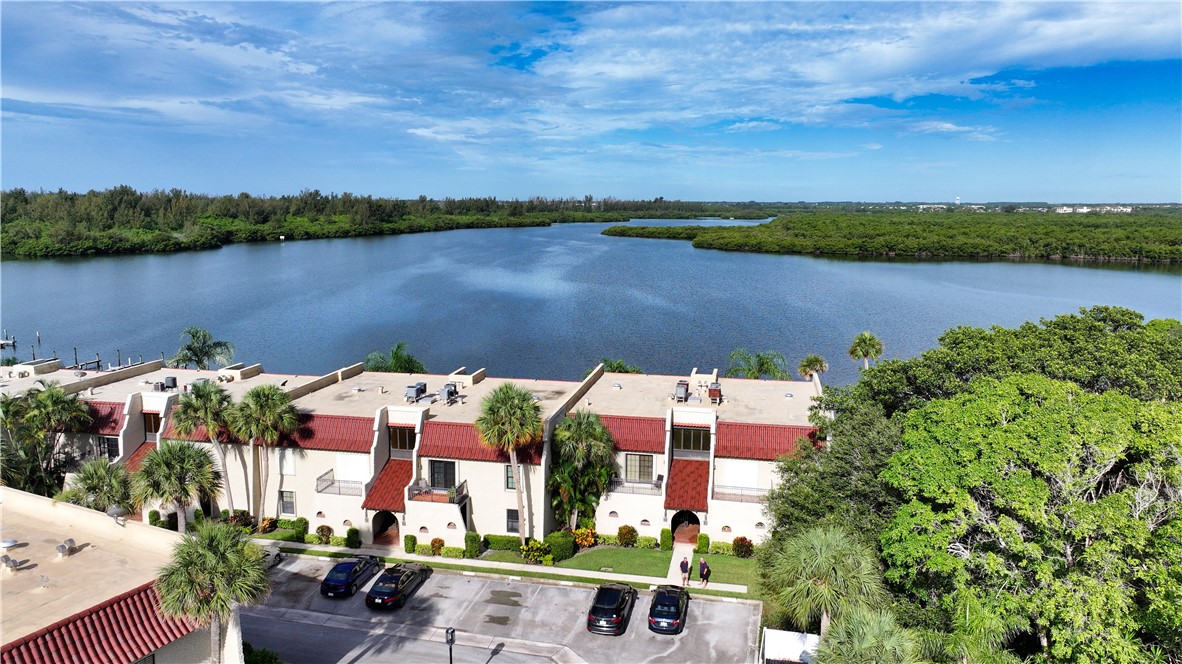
{"x": 535, "y": 302}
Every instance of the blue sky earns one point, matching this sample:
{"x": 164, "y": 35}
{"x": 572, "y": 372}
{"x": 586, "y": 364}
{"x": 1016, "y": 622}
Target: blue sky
{"x": 1058, "y": 102}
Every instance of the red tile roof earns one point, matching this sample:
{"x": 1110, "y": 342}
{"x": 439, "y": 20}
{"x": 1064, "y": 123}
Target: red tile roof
{"x": 760, "y": 441}
{"x": 461, "y": 440}
{"x": 636, "y": 434}
{"x": 137, "y": 457}
{"x": 389, "y": 490}
{"x": 334, "y": 433}
{"x": 106, "y": 418}
{"x": 121, "y": 629}
{"x": 688, "y": 485}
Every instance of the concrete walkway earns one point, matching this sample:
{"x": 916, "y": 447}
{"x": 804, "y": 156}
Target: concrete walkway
{"x": 509, "y": 569}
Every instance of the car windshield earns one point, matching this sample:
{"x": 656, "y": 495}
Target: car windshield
{"x": 607, "y": 597}
{"x": 388, "y": 582}
{"x": 340, "y": 573}
{"x": 665, "y": 608}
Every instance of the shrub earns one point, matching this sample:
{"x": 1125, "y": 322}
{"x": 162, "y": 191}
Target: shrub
{"x": 311, "y": 538}
{"x": 471, "y": 544}
{"x": 153, "y": 517}
{"x": 627, "y": 536}
{"x": 721, "y": 548}
{"x": 324, "y": 533}
{"x": 423, "y": 550}
{"x": 586, "y": 522}
{"x": 436, "y": 546}
{"x": 645, "y": 542}
{"x": 225, "y": 515}
{"x": 503, "y": 542}
{"x": 300, "y": 525}
{"x": 282, "y": 535}
{"x": 409, "y": 543}
{"x": 268, "y": 524}
{"x": 243, "y": 519}
{"x": 562, "y": 545}
{"x": 534, "y": 550}
{"x": 703, "y": 543}
{"x": 353, "y": 538}
{"x": 666, "y": 539}
{"x": 252, "y": 655}
{"x": 336, "y": 540}
{"x": 452, "y": 552}
{"x": 548, "y": 560}
{"x": 585, "y": 537}
{"x": 609, "y": 540}
{"x": 286, "y": 524}
{"x": 742, "y": 547}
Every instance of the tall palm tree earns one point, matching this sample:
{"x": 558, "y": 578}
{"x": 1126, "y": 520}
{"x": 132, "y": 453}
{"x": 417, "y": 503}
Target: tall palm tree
{"x": 823, "y": 572}
{"x": 868, "y": 636}
{"x": 264, "y": 414}
{"x": 399, "y": 361}
{"x": 510, "y": 418}
{"x": 176, "y": 473}
{"x": 867, "y": 347}
{"x": 812, "y": 364}
{"x": 214, "y": 570}
{"x": 584, "y": 463}
{"x": 768, "y": 364}
{"x": 46, "y": 412}
{"x": 201, "y": 349}
{"x": 99, "y": 485}
{"x": 207, "y": 405}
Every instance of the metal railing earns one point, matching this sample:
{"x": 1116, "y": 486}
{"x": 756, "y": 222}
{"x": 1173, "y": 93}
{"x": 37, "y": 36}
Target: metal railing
{"x": 642, "y": 488}
{"x": 453, "y": 495}
{"x": 740, "y": 494}
{"x": 327, "y": 483}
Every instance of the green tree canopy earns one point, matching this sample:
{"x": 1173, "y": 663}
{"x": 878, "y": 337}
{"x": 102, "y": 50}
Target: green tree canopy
{"x": 200, "y": 349}
{"x": 511, "y": 418}
{"x": 35, "y": 458}
{"x": 812, "y": 364}
{"x": 866, "y": 347}
{"x": 768, "y": 364}
{"x": 397, "y": 361}
{"x": 99, "y": 485}
{"x": 176, "y": 473}
{"x": 206, "y": 405}
{"x": 868, "y": 636}
{"x": 584, "y": 465}
{"x": 264, "y": 414}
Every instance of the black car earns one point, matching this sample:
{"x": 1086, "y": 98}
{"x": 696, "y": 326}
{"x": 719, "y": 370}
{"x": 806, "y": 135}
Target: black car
{"x": 345, "y": 578}
{"x": 666, "y": 615}
{"x": 395, "y": 585}
{"x": 611, "y": 609}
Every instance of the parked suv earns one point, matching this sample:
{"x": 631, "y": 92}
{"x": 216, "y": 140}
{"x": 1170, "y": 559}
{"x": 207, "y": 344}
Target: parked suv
{"x": 667, "y": 613}
{"x": 611, "y": 609}
{"x": 345, "y": 578}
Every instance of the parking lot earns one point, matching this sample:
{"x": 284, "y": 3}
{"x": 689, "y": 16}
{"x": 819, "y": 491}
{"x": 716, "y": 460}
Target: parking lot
{"x": 494, "y": 610}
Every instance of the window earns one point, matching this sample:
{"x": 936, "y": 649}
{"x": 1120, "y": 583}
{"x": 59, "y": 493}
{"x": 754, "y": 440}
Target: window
{"x": 443, "y": 474}
{"x": 286, "y": 462}
{"x": 151, "y": 426}
{"x": 402, "y": 438}
{"x": 512, "y": 524}
{"x": 690, "y": 438}
{"x": 287, "y": 502}
{"x": 509, "y": 486}
{"x": 108, "y": 447}
{"x": 638, "y": 468}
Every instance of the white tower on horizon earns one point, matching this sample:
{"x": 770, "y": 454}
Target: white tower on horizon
{"x": 958, "y": 200}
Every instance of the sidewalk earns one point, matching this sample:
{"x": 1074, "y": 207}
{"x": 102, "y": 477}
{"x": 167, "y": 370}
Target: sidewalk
{"x": 508, "y": 569}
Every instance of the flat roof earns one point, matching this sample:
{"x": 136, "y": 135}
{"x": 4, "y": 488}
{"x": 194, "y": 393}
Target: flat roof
{"x": 109, "y": 560}
{"x": 362, "y": 395}
{"x": 12, "y": 383}
{"x": 744, "y": 400}
{"x": 119, "y": 390}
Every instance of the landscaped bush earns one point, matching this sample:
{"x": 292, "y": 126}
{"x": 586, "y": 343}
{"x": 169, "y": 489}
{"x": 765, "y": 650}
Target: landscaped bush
{"x": 585, "y": 537}
{"x": 324, "y": 533}
{"x": 300, "y": 525}
{"x": 608, "y": 540}
{"x": 626, "y": 536}
{"x": 423, "y": 550}
{"x": 281, "y": 535}
{"x": 562, "y": 545}
{"x": 703, "y": 543}
{"x": 742, "y": 547}
{"x": 534, "y": 550}
{"x": 252, "y": 655}
{"x": 242, "y": 519}
{"x": 666, "y": 539}
{"x": 436, "y": 546}
{"x": 471, "y": 544}
{"x": 337, "y": 540}
{"x": 154, "y": 517}
{"x": 268, "y": 524}
{"x": 353, "y": 538}
{"x": 586, "y": 523}
{"x": 225, "y": 515}
{"x": 409, "y": 543}
{"x": 646, "y": 542}
{"x": 452, "y": 552}
{"x": 503, "y": 542}
{"x": 286, "y": 524}
{"x": 721, "y": 548}
{"x": 311, "y": 538}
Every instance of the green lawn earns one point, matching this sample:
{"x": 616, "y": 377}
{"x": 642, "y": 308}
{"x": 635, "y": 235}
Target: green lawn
{"x": 729, "y": 569}
{"x": 503, "y": 557}
{"x": 643, "y": 562}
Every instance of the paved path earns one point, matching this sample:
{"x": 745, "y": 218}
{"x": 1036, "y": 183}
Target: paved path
{"x": 508, "y": 569}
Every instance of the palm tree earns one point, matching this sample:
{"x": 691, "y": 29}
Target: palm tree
{"x": 214, "y": 570}
{"x": 99, "y": 485}
{"x": 769, "y": 364}
{"x": 45, "y": 412}
{"x": 177, "y": 472}
{"x": 978, "y": 633}
{"x": 868, "y": 636}
{"x": 823, "y": 572}
{"x": 584, "y": 464}
{"x": 812, "y": 365}
{"x": 206, "y": 405}
{"x": 264, "y": 414}
{"x": 510, "y": 418}
{"x": 616, "y": 366}
{"x": 399, "y": 361}
{"x": 201, "y": 349}
{"x": 867, "y": 347}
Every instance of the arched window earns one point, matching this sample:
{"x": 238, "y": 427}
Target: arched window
{"x": 423, "y": 530}
{"x": 347, "y": 523}
{"x": 613, "y": 515}
{"x": 451, "y": 525}
{"x": 726, "y": 529}
{"x": 759, "y": 525}
{"x": 644, "y": 522}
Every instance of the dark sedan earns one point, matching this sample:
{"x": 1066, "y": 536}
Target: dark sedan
{"x": 395, "y": 585}
{"x": 611, "y": 609}
{"x": 345, "y": 578}
{"x": 666, "y": 615}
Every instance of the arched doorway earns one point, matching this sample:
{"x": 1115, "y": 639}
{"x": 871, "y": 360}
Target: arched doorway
{"x": 685, "y": 527}
{"x": 385, "y": 528}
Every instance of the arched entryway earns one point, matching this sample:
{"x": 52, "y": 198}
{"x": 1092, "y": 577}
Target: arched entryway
{"x": 385, "y": 528}
{"x": 685, "y": 527}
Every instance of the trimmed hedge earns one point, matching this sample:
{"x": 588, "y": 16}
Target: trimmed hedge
{"x": 409, "y": 543}
{"x": 452, "y": 552}
{"x": 609, "y": 540}
{"x": 721, "y": 548}
{"x": 503, "y": 542}
{"x": 353, "y": 538}
{"x": 336, "y": 540}
{"x": 311, "y": 538}
{"x": 666, "y": 539}
{"x": 646, "y": 542}
{"x": 154, "y": 518}
{"x": 423, "y": 550}
{"x": 626, "y": 536}
{"x": 562, "y": 545}
{"x": 299, "y": 525}
{"x": 703, "y": 543}
{"x": 472, "y": 544}
{"x": 743, "y": 547}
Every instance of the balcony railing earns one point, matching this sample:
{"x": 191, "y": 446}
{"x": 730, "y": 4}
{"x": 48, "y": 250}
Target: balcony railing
{"x": 421, "y": 491}
{"x": 740, "y": 494}
{"x": 327, "y": 483}
{"x": 642, "y": 488}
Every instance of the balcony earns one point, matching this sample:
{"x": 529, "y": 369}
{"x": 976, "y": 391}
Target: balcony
{"x": 642, "y": 488}
{"x": 740, "y": 494}
{"x": 327, "y": 483}
{"x": 423, "y": 492}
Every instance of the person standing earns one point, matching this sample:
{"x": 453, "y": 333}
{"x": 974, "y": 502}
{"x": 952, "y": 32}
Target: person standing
{"x": 703, "y": 571}
{"x": 685, "y": 567}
